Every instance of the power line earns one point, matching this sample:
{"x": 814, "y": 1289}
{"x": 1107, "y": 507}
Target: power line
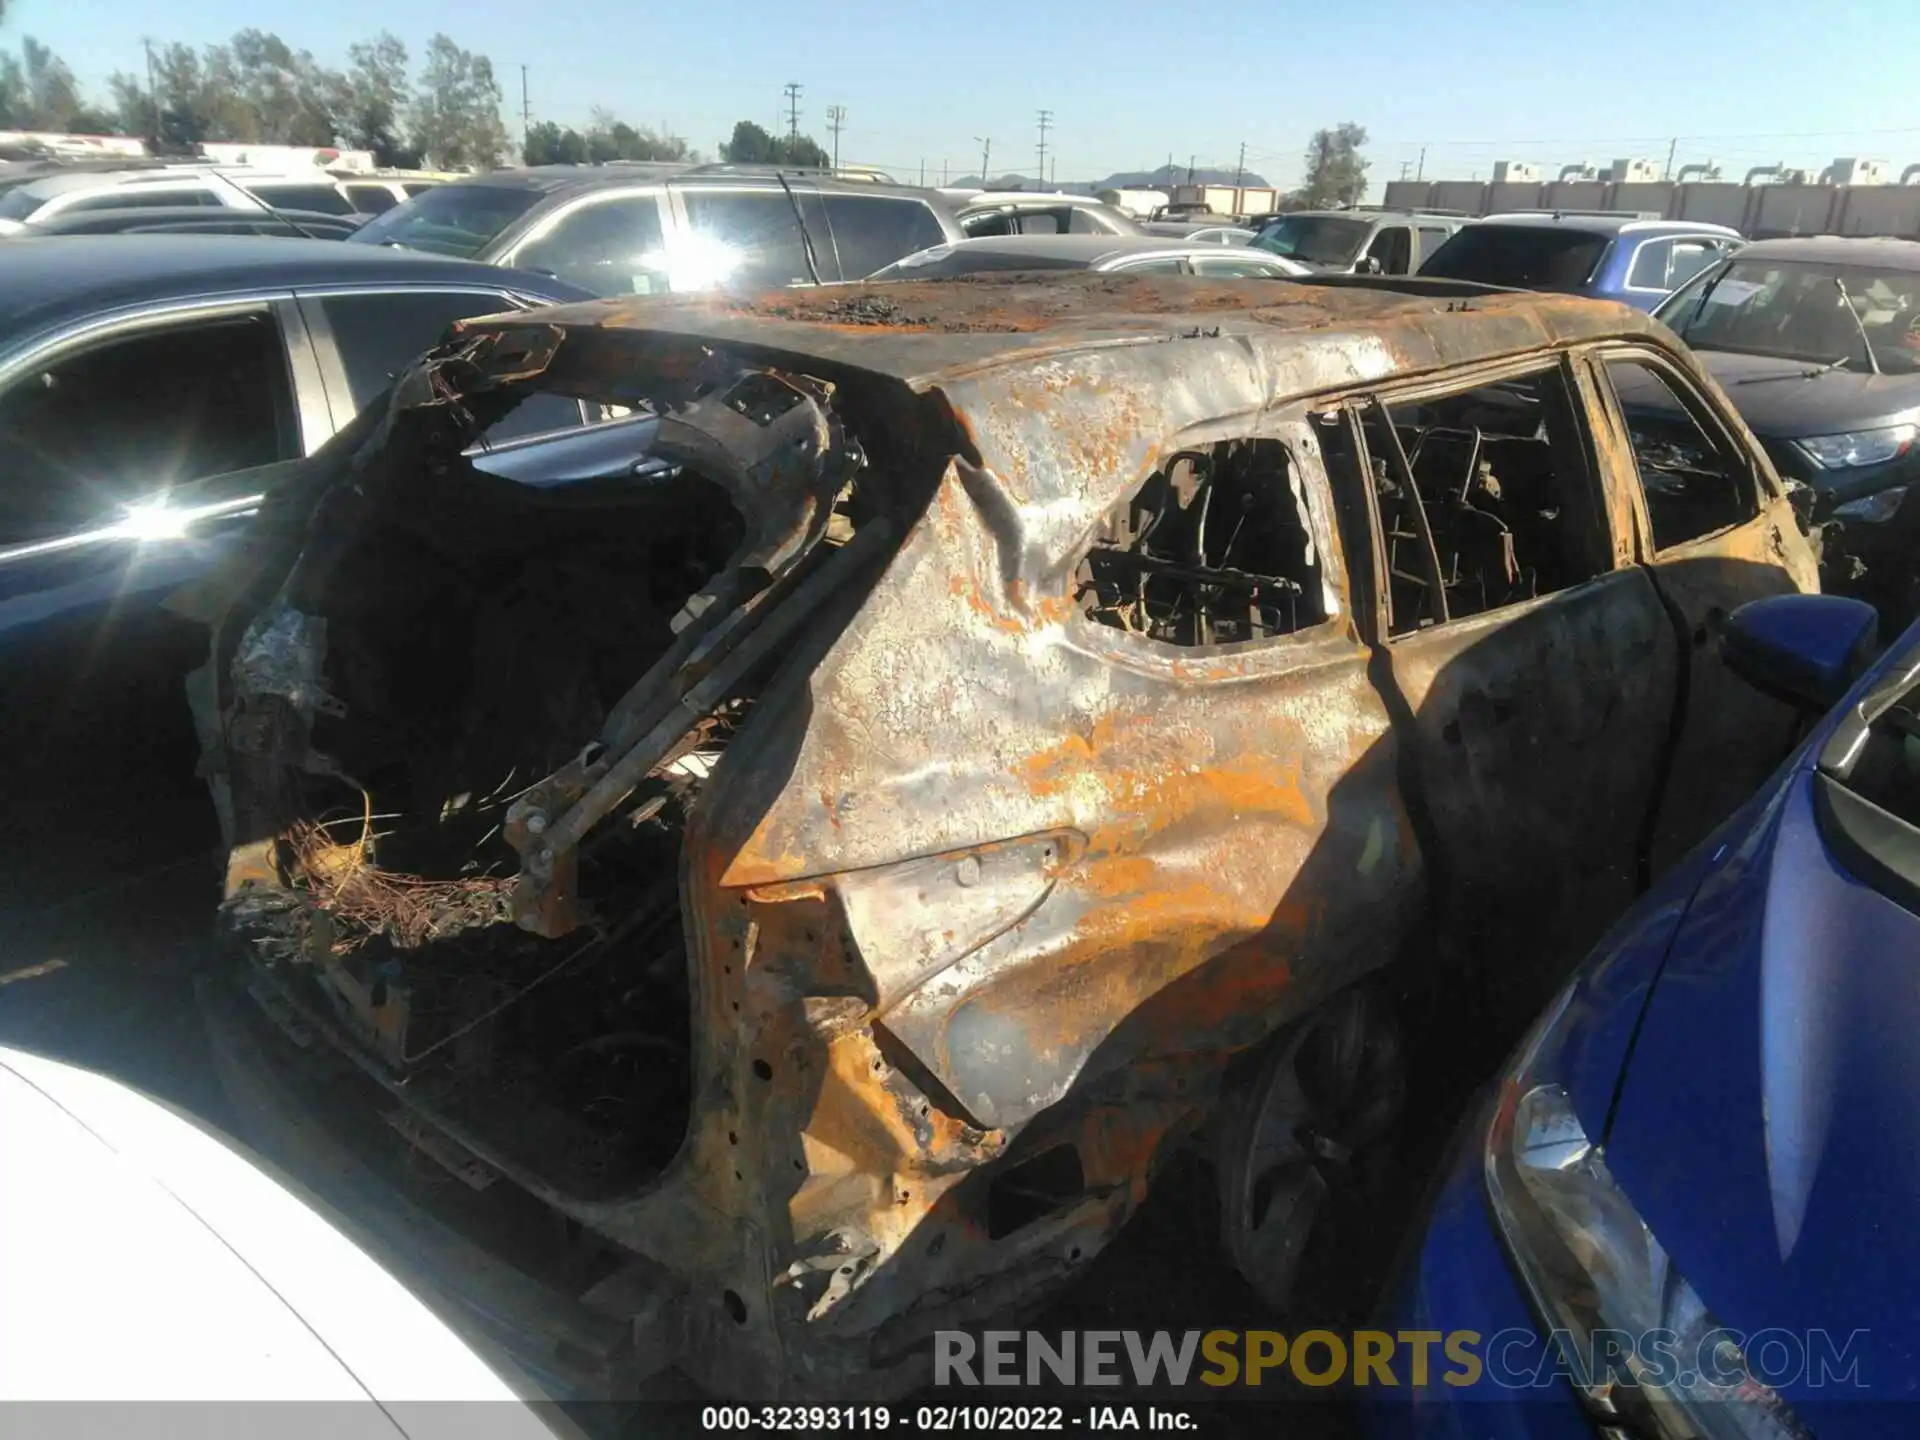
{"x": 836, "y": 119}
{"x": 986, "y": 151}
{"x": 526, "y": 110}
{"x": 792, "y": 92}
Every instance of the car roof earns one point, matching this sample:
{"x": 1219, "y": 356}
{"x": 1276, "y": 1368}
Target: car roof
{"x": 934, "y": 333}
{"x": 1034, "y": 197}
{"x": 1369, "y": 214}
{"x": 1839, "y": 250}
{"x": 45, "y": 187}
{"x": 45, "y": 280}
{"x": 1063, "y": 249}
{"x": 1605, "y": 224}
{"x": 557, "y": 179}
{"x": 162, "y": 214}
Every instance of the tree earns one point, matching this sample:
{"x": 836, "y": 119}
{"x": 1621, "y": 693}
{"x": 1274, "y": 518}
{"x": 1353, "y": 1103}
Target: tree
{"x": 548, "y": 144}
{"x": 290, "y": 96}
{"x": 455, "y": 115}
{"x": 374, "y": 94}
{"x": 1336, "y": 172}
{"x": 751, "y": 145}
{"x": 37, "y": 90}
{"x": 195, "y": 98}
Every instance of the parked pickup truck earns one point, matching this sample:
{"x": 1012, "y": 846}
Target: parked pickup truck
{"x": 977, "y": 739}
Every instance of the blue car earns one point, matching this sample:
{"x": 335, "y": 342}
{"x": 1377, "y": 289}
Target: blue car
{"x": 1626, "y": 257}
{"x": 1685, "y": 1208}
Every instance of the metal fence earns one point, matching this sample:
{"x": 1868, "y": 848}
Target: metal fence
{"x": 1760, "y": 212}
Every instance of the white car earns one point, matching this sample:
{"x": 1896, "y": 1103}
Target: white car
{"x": 1130, "y": 254}
{"x": 147, "y": 1260}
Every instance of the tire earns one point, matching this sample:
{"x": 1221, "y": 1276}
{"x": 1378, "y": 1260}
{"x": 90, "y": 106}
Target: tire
{"x": 1305, "y": 1145}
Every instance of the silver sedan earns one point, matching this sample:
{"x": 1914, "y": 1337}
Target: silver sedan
{"x": 1135, "y": 254}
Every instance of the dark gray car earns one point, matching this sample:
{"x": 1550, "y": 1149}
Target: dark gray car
{"x": 1817, "y": 343}
{"x": 640, "y": 229}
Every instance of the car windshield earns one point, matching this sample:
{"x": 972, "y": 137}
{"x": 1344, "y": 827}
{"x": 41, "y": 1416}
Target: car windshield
{"x": 21, "y": 202}
{"x": 1315, "y": 239}
{"x": 1800, "y": 310}
{"x": 449, "y": 219}
{"x": 1526, "y": 257}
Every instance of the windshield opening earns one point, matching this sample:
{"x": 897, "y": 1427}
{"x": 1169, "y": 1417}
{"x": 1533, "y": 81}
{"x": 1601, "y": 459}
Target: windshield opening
{"x": 1825, "y": 314}
{"x": 1526, "y": 257}
{"x": 1314, "y": 239}
{"x": 449, "y": 219}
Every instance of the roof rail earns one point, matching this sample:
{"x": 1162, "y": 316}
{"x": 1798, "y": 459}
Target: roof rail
{"x": 728, "y": 167}
{"x": 1403, "y": 210}
{"x": 1585, "y": 214}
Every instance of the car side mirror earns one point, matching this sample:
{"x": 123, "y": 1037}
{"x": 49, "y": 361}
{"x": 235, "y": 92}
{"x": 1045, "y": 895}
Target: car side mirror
{"x": 1806, "y": 650}
{"x": 1369, "y": 265}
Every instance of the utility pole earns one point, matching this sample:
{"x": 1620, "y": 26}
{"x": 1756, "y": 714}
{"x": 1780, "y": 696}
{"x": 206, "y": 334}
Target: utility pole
{"x": 1190, "y": 163}
{"x": 1421, "y": 173}
{"x": 153, "y": 99}
{"x": 1240, "y": 170}
{"x": 526, "y": 112}
{"x": 1405, "y": 165}
{"x": 943, "y": 174}
{"x": 986, "y": 153}
{"x": 1054, "y": 179}
{"x": 923, "y": 172}
{"x": 836, "y": 122}
{"x": 1672, "y": 146}
{"x": 792, "y": 92}
{"x": 1046, "y": 120}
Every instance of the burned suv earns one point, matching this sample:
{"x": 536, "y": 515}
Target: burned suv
{"x": 786, "y": 885}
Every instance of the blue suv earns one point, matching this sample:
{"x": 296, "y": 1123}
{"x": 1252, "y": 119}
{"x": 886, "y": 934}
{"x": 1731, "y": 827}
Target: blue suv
{"x": 1626, "y": 257}
{"x": 1686, "y": 1207}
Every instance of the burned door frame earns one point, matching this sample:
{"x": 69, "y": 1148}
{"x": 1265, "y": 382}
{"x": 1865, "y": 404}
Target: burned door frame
{"x": 1578, "y": 726}
{"x": 1726, "y": 736}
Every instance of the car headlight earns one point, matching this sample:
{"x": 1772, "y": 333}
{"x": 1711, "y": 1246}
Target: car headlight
{"x": 1859, "y": 447}
{"x": 1875, "y": 509}
{"x": 1645, "y": 1348}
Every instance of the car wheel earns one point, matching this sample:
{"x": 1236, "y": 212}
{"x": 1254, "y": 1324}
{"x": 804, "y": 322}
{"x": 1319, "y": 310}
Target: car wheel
{"x": 1304, "y": 1143}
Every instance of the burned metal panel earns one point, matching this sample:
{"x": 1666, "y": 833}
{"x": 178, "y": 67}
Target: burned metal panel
{"x": 1732, "y": 736}
{"x": 933, "y": 333}
{"x": 1524, "y": 718}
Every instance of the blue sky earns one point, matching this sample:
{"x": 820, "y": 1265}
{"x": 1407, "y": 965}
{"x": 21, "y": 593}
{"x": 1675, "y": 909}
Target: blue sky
{"x": 1745, "y": 83}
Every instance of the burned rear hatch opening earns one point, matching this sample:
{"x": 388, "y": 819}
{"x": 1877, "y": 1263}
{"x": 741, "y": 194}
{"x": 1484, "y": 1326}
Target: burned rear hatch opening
{"x": 464, "y": 730}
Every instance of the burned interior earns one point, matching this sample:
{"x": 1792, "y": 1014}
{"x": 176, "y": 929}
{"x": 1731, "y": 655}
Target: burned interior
{"x": 1482, "y": 496}
{"x": 1215, "y": 548}
{"x": 562, "y": 1040}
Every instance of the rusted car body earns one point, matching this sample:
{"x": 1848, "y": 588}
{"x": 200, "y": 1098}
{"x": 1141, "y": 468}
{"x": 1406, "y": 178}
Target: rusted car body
{"x": 818, "y": 869}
